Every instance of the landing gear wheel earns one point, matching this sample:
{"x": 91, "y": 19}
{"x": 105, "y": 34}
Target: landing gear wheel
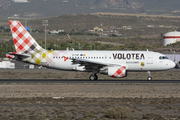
{"x": 96, "y": 77}
{"x": 93, "y": 77}
{"x": 149, "y": 78}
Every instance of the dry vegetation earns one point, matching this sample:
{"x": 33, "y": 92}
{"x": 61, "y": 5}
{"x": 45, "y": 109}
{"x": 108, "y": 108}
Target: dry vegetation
{"x": 119, "y": 112}
{"x": 85, "y": 22}
{"x": 89, "y": 108}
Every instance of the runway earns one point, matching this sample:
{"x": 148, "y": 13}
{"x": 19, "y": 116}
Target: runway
{"x": 83, "y": 81}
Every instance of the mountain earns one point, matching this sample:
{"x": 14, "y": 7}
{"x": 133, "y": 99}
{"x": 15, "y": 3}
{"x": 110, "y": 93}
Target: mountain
{"x": 47, "y": 8}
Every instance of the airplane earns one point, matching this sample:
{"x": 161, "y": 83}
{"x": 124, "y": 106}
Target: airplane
{"x": 112, "y": 63}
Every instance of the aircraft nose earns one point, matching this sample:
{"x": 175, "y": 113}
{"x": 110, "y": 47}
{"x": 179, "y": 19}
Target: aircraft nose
{"x": 172, "y": 64}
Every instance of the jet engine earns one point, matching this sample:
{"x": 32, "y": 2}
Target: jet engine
{"x": 177, "y": 64}
{"x": 117, "y": 72}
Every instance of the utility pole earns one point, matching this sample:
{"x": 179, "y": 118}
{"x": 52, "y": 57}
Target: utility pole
{"x": 101, "y": 29}
{"x": 45, "y": 23}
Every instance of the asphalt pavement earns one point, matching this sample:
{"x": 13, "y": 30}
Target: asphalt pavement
{"x": 83, "y": 81}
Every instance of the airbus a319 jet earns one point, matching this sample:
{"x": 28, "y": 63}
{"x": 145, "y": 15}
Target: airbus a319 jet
{"x": 112, "y": 63}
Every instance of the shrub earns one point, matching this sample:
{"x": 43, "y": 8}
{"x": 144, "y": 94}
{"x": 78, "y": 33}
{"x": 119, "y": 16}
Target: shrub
{"x": 153, "y": 116}
{"x": 119, "y": 112}
{"x": 89, "y": 114}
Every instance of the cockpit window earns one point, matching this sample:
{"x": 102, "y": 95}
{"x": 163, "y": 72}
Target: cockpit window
{"x": 163, "y": 57}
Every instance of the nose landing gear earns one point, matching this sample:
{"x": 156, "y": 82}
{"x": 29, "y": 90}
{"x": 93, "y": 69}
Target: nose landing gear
{"x": 149, "y": 75}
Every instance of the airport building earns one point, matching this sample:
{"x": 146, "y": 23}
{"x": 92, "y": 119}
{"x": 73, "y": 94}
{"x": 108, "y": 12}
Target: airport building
{"x": 171, "y": 37}
{"x": 7, "y": 65}
{"x": 20, "y": 1}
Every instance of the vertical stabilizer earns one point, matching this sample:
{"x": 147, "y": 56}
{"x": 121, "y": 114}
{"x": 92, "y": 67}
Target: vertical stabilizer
{"x": 23, "y": 41}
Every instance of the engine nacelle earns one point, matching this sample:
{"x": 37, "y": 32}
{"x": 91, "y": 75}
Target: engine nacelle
{"x": 117, "y": 72}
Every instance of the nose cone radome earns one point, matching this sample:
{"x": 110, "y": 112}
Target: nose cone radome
{"x": 172, "y": 64}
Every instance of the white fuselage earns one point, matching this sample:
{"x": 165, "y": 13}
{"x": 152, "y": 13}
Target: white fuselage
{"x": 133, "y": 60}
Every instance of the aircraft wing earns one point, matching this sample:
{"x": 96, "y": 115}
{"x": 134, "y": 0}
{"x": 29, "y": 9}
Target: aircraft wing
{"x": 89, "y": 64}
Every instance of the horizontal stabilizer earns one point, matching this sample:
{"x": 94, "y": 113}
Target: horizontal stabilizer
{"x": 17, "y": 55}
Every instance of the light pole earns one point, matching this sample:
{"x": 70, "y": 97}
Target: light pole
{"x": 45, "y": 23}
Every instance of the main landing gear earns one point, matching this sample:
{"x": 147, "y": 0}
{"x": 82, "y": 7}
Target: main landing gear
{"x": 93, "y": 77}
{"x": 149, "y": 75}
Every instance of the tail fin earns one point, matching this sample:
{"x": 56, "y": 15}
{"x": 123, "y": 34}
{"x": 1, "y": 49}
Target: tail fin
{"x": 23, "y": 41}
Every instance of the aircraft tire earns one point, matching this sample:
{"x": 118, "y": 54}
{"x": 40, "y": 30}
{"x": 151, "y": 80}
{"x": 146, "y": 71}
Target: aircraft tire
{"x": 92, "y": 77}
{"x": 149, "y": 78}
{"x": 96, "y": 77}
